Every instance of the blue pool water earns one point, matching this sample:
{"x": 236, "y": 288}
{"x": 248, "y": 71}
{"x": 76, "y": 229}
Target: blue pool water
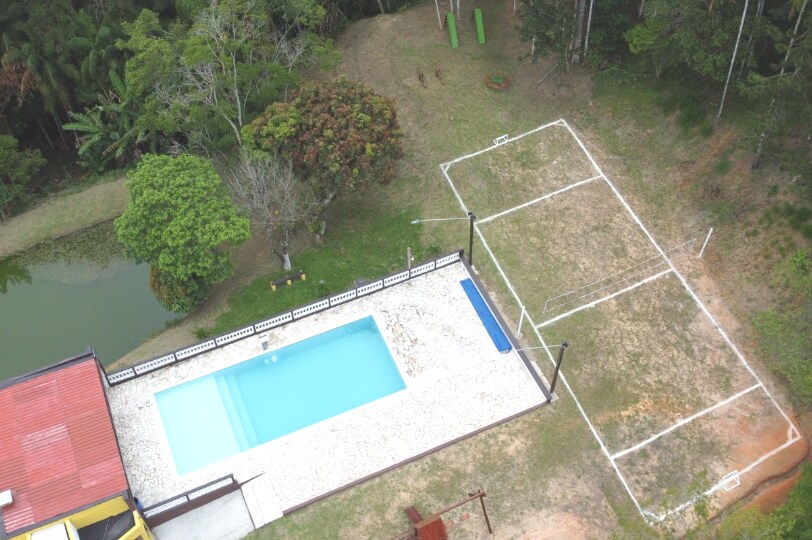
{"x": 256, "y": 401}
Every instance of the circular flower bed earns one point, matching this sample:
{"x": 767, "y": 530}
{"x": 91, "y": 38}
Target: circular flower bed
{"x": 497, "y": 80}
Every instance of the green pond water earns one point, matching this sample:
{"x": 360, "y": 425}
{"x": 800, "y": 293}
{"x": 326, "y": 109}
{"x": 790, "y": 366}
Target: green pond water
{"x": 63, "y": 296}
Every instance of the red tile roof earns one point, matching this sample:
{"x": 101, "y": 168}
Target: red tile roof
{"x": 58, "y": 450}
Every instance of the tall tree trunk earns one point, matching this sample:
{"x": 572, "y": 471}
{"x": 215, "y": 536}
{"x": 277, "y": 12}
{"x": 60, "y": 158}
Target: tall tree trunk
{"x": 732, "y": 60}
{"x": 578, "y": 38}
{"x": 59, "y": 129}
{"x": 380, "y": 5}
{"x": 756, "y": 162}
{"x": 44, "y": 132}
{"x": 640, "y": 11}
{"x": 588, "y": 26}
{"x": 753, "y": 27}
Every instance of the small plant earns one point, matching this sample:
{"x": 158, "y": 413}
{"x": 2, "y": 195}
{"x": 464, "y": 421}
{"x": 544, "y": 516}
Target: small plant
{"x": 723, "y": 165}
{"x": 202, "y": 333}
{"x": 497, "y": 80}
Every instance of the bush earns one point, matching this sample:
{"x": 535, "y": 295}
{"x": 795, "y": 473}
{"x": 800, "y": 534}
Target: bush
{"x": 175, "y": 295}
{"x": 340, "y": 133}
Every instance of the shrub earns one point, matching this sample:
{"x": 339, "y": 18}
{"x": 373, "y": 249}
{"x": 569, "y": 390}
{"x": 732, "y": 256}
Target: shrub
{"x": 339, "y": 133}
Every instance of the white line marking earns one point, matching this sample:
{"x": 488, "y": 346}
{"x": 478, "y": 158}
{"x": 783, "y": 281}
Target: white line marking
{"x": 604, "y": 299}
{"x": 718, "y": 485}
{"x": 560, "y": 374}
{"x": 539, "y": 199}
{"x": 454, "y": 189}
{"x": 558, "y": 122}
{"x": 645, "y": 514}
{"x": 684, "y": 421}
{"x": 679, "y": 275}
{"x": 610, "y": 276}
{"x": 701, "y": 305}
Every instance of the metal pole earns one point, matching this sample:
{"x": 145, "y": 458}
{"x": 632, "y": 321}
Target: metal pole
{"x": 484, "y": 513}
{"x": 471, "y": 218}
{"x": 701, "y": 251}
{"x": 564, "y": 345}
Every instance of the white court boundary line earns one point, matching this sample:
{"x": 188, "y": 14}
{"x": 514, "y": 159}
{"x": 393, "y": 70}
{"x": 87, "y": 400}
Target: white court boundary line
{"x": 537, "y": 200}
{"x": 793, "y": 433}
{"x": 603, "y": 299}
{"x": 685, "y": 421}
{"x": 707, "y": 313}
{"x": 444, "y": 169}
{"x": 610, "y": 276}
{"x": 447, "y": 164}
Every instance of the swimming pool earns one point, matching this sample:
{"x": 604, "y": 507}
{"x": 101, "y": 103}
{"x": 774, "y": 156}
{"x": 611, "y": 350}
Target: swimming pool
{"x": 271, "y": 395}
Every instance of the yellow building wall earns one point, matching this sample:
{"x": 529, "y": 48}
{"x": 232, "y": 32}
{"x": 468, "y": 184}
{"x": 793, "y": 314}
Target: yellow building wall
{"x": 97, "y": 513}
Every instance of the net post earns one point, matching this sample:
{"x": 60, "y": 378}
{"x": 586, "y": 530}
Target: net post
{"x": 707, "y": 239}
{"x": 564, "y": 345}
{"x": 471, "y": 218}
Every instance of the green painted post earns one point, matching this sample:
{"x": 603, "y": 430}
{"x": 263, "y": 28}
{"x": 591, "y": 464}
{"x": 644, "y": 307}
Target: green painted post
{"x": 480, "y": 26}
{"x": 452, "y": 30}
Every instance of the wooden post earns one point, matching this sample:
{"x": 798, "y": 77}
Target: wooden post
{"x": 485, "y": 513}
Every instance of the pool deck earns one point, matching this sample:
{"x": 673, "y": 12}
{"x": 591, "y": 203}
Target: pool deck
{"x": 457, "y": 383}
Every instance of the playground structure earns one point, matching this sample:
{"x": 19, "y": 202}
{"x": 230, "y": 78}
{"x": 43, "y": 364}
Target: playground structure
{"x": 433, "y": 527}
{"x": 453, "y": 20}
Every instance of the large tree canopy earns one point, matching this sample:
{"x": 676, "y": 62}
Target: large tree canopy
{"x": 204, "y": 81}
{"x": 341, "y": 134}
{"x": 179, "y": 220}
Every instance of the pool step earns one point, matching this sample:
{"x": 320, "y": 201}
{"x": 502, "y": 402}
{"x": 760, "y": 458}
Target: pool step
{"x": 231, "y": 411}
{"x": 242, "y": 411}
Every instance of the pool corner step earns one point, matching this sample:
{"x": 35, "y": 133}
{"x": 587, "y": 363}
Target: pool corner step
{"x": 242, "y": 412}
{"x": 261, "y": 500}
{"x": 233, "y": 414}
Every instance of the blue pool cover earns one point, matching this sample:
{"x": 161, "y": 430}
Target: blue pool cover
{"x": 488, "y": 320}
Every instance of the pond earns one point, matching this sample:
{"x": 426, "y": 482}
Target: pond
{"x": 63, "y": 296}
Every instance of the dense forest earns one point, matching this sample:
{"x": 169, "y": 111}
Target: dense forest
{"x": 111, "y": 79}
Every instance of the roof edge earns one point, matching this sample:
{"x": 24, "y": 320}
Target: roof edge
{"x": 28, "y": 528}
{"x": 62, "y": 364}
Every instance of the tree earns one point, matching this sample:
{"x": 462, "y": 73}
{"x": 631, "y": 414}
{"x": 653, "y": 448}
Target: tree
{"x": 44, "y": 56}
{"x": 181, "y": 221}
{"x": 205, "y": 81}
{"x": 340, "y": 134}
{"x": 698, "y": 35}
{"x": 275, "y": 198}
{"x": 110, "y": 130}
{"x": 16, "y": 169}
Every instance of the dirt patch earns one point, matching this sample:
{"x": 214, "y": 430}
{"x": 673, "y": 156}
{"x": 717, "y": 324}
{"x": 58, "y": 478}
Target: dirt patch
{"x": 775, "y": 466}
{"x": 774, "y": 496}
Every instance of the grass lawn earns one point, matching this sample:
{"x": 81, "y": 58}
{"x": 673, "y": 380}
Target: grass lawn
{"x": 62, "y": 215}
{"x": 367, "y": 238}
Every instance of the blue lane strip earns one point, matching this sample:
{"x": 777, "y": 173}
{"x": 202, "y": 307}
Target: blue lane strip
{"x": 488, "y": 320}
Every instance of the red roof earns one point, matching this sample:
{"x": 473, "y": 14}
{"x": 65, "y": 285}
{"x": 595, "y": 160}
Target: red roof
{"x": 58, "y": 450}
